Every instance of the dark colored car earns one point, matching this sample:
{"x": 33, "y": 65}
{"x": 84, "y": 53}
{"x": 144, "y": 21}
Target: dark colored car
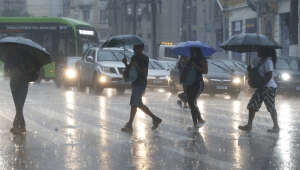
{"x": 102, "y": 68}
{"x": 288, "y": 75}
{"x": 217, "y": 81}
{"x": 236, "y": 68}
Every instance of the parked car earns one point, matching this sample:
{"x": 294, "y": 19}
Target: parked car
{"x": 288, "y": 75}
{"x": 157, "y": 75}
{"x": 102, "y": 68}
{"x": 217, "y": 81}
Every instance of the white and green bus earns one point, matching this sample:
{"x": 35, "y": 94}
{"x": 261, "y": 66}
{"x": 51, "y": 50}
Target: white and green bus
{"x": 62, "y": 37}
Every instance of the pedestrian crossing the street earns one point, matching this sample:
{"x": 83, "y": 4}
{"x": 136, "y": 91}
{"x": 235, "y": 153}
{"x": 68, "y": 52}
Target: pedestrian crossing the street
{"x": 61, "y": 119}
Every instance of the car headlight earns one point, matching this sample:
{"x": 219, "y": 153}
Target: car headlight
{"x": 70, "y": 73}
{"x": 205, "y": 79}
{"x": 236, "y": 80}
{"x": 285, "y": 76}
{"x": 102, "y": 79}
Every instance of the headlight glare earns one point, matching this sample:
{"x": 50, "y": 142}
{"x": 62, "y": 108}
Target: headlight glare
{"x": 285, "y": 76}
{"x": 237, "y": 80}
{"x": 70, "y": 73}
{"x": 102, "y": 79}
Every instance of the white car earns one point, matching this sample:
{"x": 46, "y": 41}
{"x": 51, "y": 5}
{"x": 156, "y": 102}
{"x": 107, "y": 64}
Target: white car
{"x": 157, "y": 75}
{"x": 102, "y": 68}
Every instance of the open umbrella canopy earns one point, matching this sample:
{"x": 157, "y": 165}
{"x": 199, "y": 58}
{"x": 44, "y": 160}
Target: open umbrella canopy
{"x": 123, "y": 40}
{"x": 183, "y": 49}
{"x": 24, "y": 48}
{"x": 249, "y": 42}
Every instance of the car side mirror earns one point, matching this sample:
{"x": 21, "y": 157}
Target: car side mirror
{"x": 90, "y": 59}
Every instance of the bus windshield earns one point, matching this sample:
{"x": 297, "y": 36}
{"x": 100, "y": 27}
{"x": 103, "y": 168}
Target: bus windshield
{"x": 87, "y": 38}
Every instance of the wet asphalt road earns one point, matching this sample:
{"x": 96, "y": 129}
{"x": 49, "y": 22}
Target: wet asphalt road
{"x": 72, "y": 130}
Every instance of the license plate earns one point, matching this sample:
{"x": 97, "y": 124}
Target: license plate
{"x": 157, "y": 81}
{"x": 298, "y": 88}
{"x": 222, "y": 87}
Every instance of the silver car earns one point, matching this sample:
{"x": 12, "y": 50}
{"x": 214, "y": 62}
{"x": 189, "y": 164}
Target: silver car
{"x": 102, "y": 68}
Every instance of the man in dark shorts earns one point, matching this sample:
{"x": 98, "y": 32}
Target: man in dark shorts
{"x": 140, "y": 61}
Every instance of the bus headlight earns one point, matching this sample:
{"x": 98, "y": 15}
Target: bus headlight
{"x": 285, "y": 76}
{"x": 71, "y": 73}
{"x": 102, "y": 79}
{"x": 236, "y": 80}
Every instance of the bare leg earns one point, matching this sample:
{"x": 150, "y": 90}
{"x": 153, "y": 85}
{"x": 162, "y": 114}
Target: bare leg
{"x": 248, "y": 127}
{"x": 132, "y": 114}
{"x": 275, "y": 122}
{"x": 156, "y": 120}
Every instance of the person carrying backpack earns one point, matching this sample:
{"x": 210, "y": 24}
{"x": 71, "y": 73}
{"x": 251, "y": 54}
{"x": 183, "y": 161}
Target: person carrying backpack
{"x": 140, "y": 62}
{"x": 182, "y": 98}
{"x": 261, "y": 77}
{"x": 192, "y": 80}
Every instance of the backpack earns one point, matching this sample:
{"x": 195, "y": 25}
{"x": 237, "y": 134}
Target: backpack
{"x": 255, "y": 80}
{"x": 189, "y": 77}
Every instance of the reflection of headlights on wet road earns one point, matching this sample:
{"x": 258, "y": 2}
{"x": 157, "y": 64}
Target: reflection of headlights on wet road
{"x": 285, "y": 76}
{"x": 103, "y": 79}
{"x": 71, "y": 73}
{"x": 236, "y": 80}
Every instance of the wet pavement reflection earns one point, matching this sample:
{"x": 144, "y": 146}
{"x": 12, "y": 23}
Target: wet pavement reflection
{"x": 72, "y": 130}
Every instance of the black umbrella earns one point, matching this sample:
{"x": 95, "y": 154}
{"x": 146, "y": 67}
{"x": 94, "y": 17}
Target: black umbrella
{"x": 249, "y": 42}
{"x": 122, "y": 40}
{"x": 25, "y": 48}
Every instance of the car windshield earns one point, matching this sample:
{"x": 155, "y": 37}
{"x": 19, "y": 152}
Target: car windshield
{"x": 153, "y": 65}
{"x": 212, "y": 68}
{"x": 109, "y": 56}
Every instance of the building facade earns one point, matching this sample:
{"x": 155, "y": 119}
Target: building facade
{"x": 13, "y": 8}
{"x": 275, "y": 21}
{"x": 51, "y": 8}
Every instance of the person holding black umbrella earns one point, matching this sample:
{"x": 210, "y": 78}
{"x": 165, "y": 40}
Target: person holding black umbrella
{"x": 140, "y": 61}
{"x": 192, "y": 80}
{"x": 21, "y": 72}
{"x": 266, "y": 88}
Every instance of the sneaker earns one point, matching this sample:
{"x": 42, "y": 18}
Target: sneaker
{"x": 245, "y": 128}
{"x": 17, "y": 130}
{"x": 127, "y": 128}
{"x": 274, "y": 130}
{"x": 201, "y": 121}
{"x": 179, "y": 103}
{"x": 156, "y": 123}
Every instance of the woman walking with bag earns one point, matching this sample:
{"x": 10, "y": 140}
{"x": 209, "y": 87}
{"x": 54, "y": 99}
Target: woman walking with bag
{"x": 267, "y": 91}
{"x": 192, "y": 80}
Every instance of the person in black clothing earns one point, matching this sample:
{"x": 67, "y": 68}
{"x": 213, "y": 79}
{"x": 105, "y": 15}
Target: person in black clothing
{"x": 21, "y": 72}
{"x": 140, "y": 61}
{"x": 192, "y": 80}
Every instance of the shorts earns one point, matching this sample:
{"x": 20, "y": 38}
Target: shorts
{"x": 137, "y": 94}
{"x": 266, "y": 95}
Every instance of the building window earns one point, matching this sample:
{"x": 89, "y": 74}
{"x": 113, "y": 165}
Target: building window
{"x": 86, "y": 14}
{"x": 103, "y": 17}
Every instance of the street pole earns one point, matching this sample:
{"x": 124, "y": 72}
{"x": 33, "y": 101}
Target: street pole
{"x": 134, "y": 16}
{"x": 154, "y": 10}
{"x": 115, "y": 27}
{"x": 258, "y": 11}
